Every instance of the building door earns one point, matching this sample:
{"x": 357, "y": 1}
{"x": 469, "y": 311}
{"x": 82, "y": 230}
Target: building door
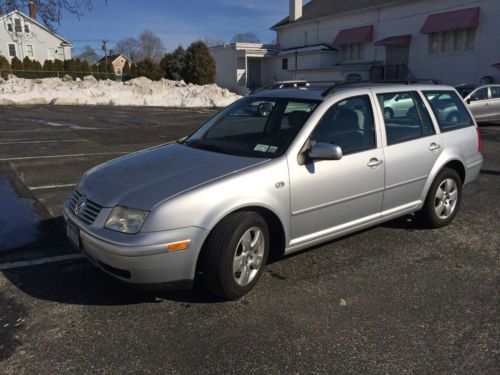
{"x": 254, "y": 80}
{"x": 397, "y": 60}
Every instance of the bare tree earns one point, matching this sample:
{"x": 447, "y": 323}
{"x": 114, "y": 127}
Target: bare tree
{"x": 247, "y": 37}
{"x": 49, "y": 11}
{"x": 151, "y": 46}
{"x": 213, "y": 42}
{"x": 88, "y": 54}
{"x": 130, "y": 47}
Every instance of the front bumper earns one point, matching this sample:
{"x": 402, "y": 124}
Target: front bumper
{"x": 141, "y": 259}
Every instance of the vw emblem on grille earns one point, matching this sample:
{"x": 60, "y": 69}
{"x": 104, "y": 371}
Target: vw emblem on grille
{"x": 80, "y": 205}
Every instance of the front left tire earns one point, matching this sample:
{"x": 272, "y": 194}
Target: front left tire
{"x": 235, "y": 254}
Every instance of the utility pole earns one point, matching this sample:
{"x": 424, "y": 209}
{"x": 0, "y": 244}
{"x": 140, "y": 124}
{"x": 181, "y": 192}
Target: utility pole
{"x": 105, "y": 49}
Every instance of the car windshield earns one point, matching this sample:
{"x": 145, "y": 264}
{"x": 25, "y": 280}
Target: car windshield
{"x": 254, "y": 127}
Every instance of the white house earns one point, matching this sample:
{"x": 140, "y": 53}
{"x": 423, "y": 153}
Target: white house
{"x": 22, "y": 36}
{"x": 456, "y": 41}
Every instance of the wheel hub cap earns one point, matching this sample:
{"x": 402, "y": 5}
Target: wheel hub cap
{"x": 445, "y": 201}
{"x": 248, "y": 256}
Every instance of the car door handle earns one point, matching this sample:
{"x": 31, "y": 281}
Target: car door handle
{"x": 374, "y": 163}
{"x": 434, "y": 146}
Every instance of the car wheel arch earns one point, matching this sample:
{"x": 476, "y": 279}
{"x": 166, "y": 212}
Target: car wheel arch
{"x": 276, "y": 231}
{"x": 454, "y": 163}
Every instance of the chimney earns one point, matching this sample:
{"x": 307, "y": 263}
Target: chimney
{"x": 32, "y": 8}
{"x": 295, "y": 10}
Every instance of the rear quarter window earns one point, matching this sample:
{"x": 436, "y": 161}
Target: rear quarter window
{"x": 449, "y": 110}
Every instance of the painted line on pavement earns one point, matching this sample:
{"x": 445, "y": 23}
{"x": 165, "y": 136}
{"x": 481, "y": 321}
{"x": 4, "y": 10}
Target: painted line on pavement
{"x": 39, "y": 261}
{"x": 46, "y": 187}
{"x": 34, "y": 142}
{"x": 63, "y": 156}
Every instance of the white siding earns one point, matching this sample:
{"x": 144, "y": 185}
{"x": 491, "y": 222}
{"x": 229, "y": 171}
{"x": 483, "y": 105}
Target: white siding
{"x": 41, "y": 39}
{"x": 408, "y": 18}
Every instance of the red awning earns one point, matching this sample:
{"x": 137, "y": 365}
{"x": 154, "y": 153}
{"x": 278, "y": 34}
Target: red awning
{"x": 456, "y": 20}
{"x": 355, "y": 35}
{"x": 400, "y": 40}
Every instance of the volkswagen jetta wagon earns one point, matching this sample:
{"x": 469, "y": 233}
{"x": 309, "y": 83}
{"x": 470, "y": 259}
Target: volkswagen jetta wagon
{"x": 274, "y": 173}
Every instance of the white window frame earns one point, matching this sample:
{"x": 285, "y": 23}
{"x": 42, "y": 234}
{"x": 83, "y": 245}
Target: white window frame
{"x": 20, "y": 25}
{"x": 32, "y": 51}
{"x": 15, "y": 49}
{"x": 51, "y": 53}
{"x": 353, "y": 52}
{"x": 461, "y": 41}
{"x": 58, "y": 54}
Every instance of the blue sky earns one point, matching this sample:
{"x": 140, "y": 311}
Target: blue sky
{"x": 174, "y": 21}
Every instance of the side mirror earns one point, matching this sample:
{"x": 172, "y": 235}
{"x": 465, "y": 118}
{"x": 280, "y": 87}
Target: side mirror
{"x": 325, "y": 151}
{"x": 265, "y": 109}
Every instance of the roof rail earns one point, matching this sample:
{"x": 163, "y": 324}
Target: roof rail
{"x": 337, "y": 85}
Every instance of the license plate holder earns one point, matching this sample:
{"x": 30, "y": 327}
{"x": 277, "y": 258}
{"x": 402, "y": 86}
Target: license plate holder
{"x": 73, "y": 233}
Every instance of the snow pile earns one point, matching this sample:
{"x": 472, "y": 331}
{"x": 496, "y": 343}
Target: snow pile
{"x": 136, "y": 92}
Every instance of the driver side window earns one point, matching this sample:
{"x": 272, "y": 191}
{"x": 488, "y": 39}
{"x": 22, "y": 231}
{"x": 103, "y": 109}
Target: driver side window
{"x": 348, "y": 124}
{"x": 481, "y": 94}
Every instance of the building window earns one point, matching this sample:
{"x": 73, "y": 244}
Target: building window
{"x": 60, "y": 54}
{"x": 452, "y": 41}
{"x": 12, "y": 50}
{"x": 26, "y": 28}
{"x": 17, "y": 24}
{"x": 29, "y": 51}
{"x": 10, "y": 28}
{"x": 284, "y": 64}
{"x": 51, "y": 53}
{"x": 352, "y": 52}
{"x": 119, "y": 71}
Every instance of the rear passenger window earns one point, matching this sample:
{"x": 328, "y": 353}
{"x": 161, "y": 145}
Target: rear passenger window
{"x": 495, "y": 92}
{"x": 405, "y": 116}
{"x": 449, "y": 110}
{"x": 348, "y": 124}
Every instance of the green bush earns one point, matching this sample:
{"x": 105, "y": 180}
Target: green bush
{"x": 200, "y": 66}
{"x": 149, "y": 69}
{"x": 17, "y": 66}
{"x": 126, "y": 72}
{"x": 173, "y": 64}
{"x": 110, "y": 69}
{"x": 4, "y": 67}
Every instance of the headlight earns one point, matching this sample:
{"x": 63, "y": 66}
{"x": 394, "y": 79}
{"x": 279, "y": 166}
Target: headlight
{"x": 126, "y": 220}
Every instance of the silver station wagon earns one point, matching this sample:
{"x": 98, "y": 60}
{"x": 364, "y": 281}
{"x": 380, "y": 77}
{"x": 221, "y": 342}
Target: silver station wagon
{"x": 274, "y": 173}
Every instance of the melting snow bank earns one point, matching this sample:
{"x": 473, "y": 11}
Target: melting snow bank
{"x": 136, "y": 92}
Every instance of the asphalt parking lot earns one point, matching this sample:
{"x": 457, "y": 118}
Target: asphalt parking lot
{"x": 392, "y": 299}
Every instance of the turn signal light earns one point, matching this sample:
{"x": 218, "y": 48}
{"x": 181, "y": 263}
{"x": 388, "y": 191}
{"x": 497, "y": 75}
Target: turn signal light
{"x": 176, "y": 246}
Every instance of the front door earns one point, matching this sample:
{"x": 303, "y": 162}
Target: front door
{"x": 331, "y": 195}
{"x": 254, "y": 73}
{"x": 397, "y": 59}
{"x": 479, "y": 103}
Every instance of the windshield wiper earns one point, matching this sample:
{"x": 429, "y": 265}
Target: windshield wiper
{"x": 208, "y": 147}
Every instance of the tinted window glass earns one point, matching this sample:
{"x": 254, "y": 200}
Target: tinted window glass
{"x": 449, "y": 109}
{"x": 481, "y": 94}
{"x": 405, "y": 117}
{"x": 257, "y": 127}
{"x": 348, "y": 124}
{"x": 495, "y": 92}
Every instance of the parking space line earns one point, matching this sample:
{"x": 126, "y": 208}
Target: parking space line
{"x": 39, "y": 261}
{"x": 46, "y": 187}
{"x": 62, "y": 156}
{"x": 34, "y": 142}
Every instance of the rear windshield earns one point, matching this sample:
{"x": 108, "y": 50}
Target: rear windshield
{"x": 449, "y": 109}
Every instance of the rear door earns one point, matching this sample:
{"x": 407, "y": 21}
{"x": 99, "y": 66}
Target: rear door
{"x": 412, "y": 147}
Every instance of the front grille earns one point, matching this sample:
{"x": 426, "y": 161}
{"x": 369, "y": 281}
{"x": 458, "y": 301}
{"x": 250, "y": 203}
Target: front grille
{"x": 88, "y": 212}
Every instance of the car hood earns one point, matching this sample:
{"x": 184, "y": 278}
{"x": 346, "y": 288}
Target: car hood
{"x": 146, "y": 178}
